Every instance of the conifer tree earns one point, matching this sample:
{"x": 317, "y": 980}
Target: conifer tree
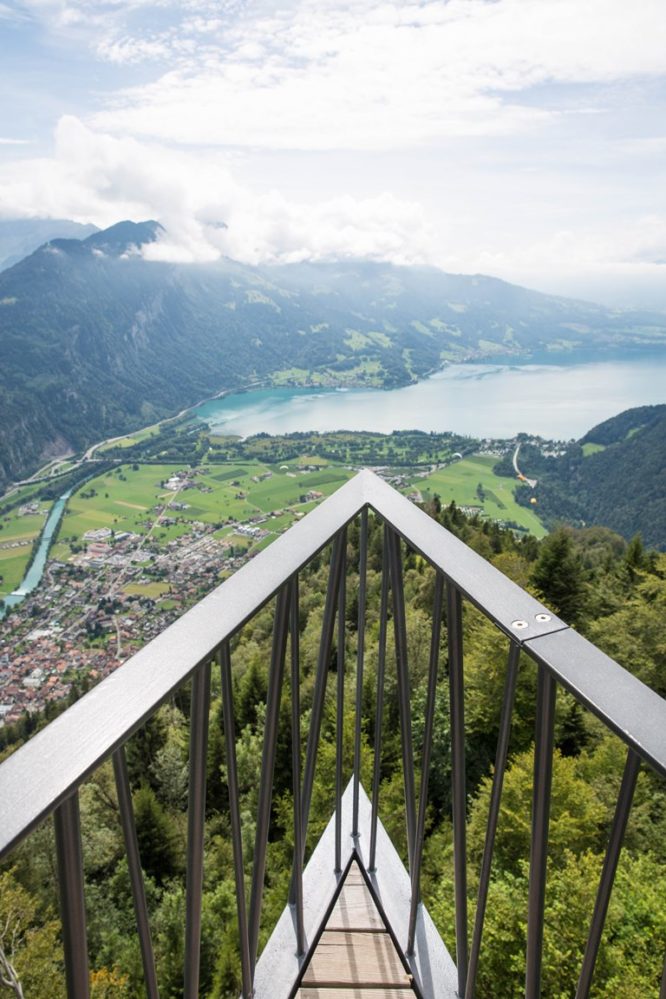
{"x": 558, "y": 576}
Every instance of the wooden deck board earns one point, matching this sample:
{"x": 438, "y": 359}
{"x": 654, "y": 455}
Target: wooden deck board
{"x": 355, "y": 910}
{"x": 352, "y": 992}
{"x": 351, "y": 958}
{"x": 354, "y": 875}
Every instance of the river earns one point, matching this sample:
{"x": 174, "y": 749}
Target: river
{"x": 34, "y": 573}
{"x": 556, "y": 401}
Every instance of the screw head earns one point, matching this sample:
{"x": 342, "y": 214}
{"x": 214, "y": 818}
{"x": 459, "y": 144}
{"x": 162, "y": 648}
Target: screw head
{"x": 542, "y": 617}
{"x": 519, "y": 625}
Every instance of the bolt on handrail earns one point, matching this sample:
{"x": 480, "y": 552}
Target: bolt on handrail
{"x": 60, "y": 758}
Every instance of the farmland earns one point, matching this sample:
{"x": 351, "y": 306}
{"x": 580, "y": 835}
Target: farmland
{"x": 221, "y": 484}
{"x": 472, "y": 483}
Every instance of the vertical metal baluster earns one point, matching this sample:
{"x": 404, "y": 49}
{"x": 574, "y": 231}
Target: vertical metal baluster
{"x": 280, "y": 628}
{"x": 224, "y": 659}
{"x": 360, "y": 654}
{"x": 611, "y": 859}
{"x": 543, "y": 773}
{"x": 337, "y": 554}
{"x": 296, "y": 765}
{"x": 340, "y": 717}
{"x": 135, "y": 872}
{"x": 379, "y": 707}
{"x": 67, "y": 821}
{"x": 662, "y": 990}
{"x": 493, "y": 815}
{"x": 458, "y": 781}
{"x": 427, "y": 751}
{"x": 196, "y": 813}
{"x": 404, "y": 706}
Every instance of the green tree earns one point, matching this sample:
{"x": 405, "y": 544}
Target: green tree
{"x": 157, "y": 835}
{"x": 558, "y": 576}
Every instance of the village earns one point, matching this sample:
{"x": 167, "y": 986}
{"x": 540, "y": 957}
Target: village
{"x": 90, "y": 614}
{"x": 118, "y": 589}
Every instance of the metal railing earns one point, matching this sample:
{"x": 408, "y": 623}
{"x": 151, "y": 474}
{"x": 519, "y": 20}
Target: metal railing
{"x": 56, "y": 762}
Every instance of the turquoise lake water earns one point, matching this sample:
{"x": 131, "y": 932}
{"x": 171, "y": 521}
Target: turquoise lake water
{"x": 483, "y": 400}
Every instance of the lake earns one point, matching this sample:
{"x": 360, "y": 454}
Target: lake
{"x": 482, "y": 400}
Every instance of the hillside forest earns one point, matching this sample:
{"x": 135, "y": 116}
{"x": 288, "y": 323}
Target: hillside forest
{"x": 612, "y": 591}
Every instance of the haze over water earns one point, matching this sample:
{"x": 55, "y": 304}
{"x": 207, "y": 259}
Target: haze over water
{"x": 483, "y": 400}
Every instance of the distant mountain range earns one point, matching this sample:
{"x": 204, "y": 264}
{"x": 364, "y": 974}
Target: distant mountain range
{"x": 19, "y": 237}
{"x": 615, "y": 476}
{"x": 95, "y": 340}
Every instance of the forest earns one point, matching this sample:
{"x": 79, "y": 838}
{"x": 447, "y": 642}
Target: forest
{"x": 612, "y": 591}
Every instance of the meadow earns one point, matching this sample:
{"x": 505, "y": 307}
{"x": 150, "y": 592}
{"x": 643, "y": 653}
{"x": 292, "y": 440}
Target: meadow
{"x": 127, "y": 497}
{"x": 460, "y": 482}
{"x": 20, "y": 530}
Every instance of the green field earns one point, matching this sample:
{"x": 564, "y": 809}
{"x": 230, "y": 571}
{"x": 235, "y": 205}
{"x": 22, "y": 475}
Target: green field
{"x": 125, "y": 499}
{"x": 459, "y": 482}
{"x": 147, "y": 589}
{"x": 590, "y": 448}
{"x": 21, "y": 530}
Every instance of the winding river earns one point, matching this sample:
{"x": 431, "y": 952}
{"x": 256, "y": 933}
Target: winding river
{"x": 34, "y": 573}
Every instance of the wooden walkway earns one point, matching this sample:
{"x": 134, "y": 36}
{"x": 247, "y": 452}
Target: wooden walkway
{"x": 355, "y": 957}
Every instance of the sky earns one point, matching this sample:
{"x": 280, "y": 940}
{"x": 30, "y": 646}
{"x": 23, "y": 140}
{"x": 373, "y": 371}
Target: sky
{"x": 520, "y": 138}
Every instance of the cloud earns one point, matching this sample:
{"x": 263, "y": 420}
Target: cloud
{"x": 377, "y": 75}
{"x": 4, "y": 141}
{"x": 101, "y": 178}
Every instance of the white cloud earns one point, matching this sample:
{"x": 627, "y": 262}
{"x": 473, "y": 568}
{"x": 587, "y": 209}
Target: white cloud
{"x": 4, "y": 141}
{"x": 371, "y": 74}
{"x": 100, "y": 178}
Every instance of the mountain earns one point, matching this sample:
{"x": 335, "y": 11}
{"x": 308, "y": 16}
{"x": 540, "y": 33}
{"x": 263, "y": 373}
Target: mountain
{"x": 96, "y": 340}
{"x": 19, "y": 237}
{"x": 614, "y": 476}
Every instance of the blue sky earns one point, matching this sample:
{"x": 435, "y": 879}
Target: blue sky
{"x": 522, "y": 138}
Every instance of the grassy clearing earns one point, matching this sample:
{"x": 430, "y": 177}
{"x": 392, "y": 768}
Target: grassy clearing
{"x": 460, "y": 481}
{"x": 12, "y": 569}
{"x": 146, "y": 589}
{"x": 23, "y": 532}
{"x": 591, "y": 448}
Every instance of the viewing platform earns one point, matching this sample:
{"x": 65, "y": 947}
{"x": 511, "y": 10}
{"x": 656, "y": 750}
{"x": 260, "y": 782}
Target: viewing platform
{"x": 354, "y": 925}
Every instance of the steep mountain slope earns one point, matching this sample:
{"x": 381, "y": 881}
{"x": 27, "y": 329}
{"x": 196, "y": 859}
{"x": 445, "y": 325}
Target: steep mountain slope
{"x": 614, "y": 476}
{"x": 19, "y": 237}
{"x": 95, "y": 340}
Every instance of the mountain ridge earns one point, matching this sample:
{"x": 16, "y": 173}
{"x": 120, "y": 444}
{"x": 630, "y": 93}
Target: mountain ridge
{"x": 615, "y": 475}
{"x": 96, "y": 340}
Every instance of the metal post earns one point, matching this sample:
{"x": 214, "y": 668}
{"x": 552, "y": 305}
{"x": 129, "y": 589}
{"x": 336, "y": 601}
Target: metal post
{"x": 67, "y": 821}
{"x": 404, "y": 706}
{"x": 543, "y": 773}
{"x": 135, "y": 872}
{"x": 611, "y": 859}
{"x": 379, "y": 707}
{"x": 493, "y": 815}
{"x": 337, "y": 557}
{"x": 662, "y": 990}
{"x": 427, "y": 751}
{"x": 196, "y": 814}
{"x": 360, "y": 653}
{"x": 234, "y": 815}
{"x": 280, "y": 628}
{"x": 297, "y": 874}
{"x": 339, "y": 720}
{"x": 457, "y": 709}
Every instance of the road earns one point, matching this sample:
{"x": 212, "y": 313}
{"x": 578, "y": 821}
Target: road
{"x": 532, "y": 483}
